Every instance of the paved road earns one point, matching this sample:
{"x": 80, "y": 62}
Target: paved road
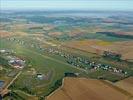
{"x": 13, "y": 80}
{"x": 5, "y": 90}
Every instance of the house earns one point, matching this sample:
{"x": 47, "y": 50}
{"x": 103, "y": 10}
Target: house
{"x": 6, "y": 51}
{"x": 40, "y": 76}
{"x": 2, "y": 51}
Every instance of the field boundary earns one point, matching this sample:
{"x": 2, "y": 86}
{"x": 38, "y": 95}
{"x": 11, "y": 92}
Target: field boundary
{"x": 117, "y": 88}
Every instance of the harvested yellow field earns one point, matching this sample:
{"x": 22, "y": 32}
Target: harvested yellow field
{"x": 92, "y": 45}
{"x": 125, "y": 48}
{"x": 25, "y": 26}
{"x": 19, "y": 33}
{"x": 54, "y": 33}
{"x": 126, "y": 84}
{"x": 76, "y": 31}
{"x": 87, "y": 89}
{"x": 7, "y": 34}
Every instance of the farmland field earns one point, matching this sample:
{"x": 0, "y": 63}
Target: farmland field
{"x": 87, "y": 89}
{"x": 98, "y": 46}
{"x": 126, "y": 84}
{"x": 38, "y": 51}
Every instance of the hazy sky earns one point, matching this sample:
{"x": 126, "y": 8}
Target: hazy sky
{"x": 68, "y": 4}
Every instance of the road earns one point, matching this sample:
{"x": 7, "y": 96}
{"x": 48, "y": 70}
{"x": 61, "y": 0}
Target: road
{"x": 5, "y": 90}
{"x": 13, "y": 80}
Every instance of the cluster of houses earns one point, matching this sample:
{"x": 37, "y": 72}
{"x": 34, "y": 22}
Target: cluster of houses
{"x": 85, "y": 63}
{"x": 81, "y": 62}
{"x": 13, "y": 61}
{"x": 22, "y": 42}
{"x": 76, "y": 61}
{"x": 16, "y": 62}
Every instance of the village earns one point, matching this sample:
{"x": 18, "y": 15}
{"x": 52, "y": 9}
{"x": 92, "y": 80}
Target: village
{"x": 77, "y": 61}
{"x": 85, "y": 63}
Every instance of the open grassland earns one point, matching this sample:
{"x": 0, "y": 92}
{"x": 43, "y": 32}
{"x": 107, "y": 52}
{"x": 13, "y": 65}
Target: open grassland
{"x": 87, "y": 89}
{"x": 126, "y": 84}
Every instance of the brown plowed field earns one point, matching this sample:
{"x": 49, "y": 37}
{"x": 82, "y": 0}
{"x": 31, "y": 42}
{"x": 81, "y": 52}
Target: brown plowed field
{"x": 87, "y": 89}
{"x": 4, "y": 34}
{"x": 126, "y": 84}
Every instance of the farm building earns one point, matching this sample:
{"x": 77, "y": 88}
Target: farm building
{"x": 17, "y": 63}
{"x": 40, "y": 76}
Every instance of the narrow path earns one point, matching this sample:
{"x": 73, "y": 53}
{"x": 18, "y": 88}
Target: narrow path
{"x": 13, "y": 80}
{"x": 5, "y": 89}
{"x": 24, "y": 93}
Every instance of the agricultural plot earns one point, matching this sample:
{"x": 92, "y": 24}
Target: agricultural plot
{"x": 4, "y": 34}
{"x": 98, "y": 46}
{"x": 126, "y": 84}
{"x": 87, "y": 89}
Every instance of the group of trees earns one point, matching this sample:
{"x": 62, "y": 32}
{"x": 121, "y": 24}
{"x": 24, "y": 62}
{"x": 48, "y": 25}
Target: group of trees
{"x": 113, "y": 34}
{"x": 112, "y": 55}
{"x": 3, "y": 61}
{"x": 13, "y": 96}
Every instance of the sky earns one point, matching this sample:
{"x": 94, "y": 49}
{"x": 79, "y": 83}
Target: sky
{"x": 120, "y": 5}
